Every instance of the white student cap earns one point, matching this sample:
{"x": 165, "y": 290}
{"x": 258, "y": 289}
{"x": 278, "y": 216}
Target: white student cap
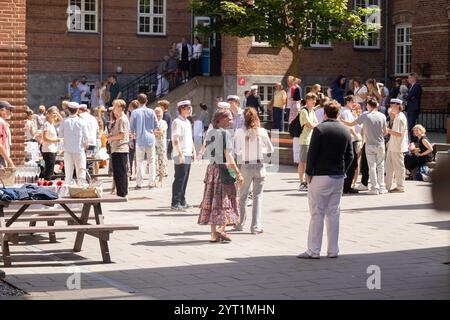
{"x": 254, "y": 87}
{"x": 223, "y": 105}
{"x": 73, "y": 105}
{"x": 83, "y": 106}
{"x": 232, "y": 97}
{"x": 395, "y": 100}
{"x": 184, "y": 103}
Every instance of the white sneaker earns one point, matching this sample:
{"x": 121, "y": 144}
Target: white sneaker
{"x": 306, "y": 255}
{"x": 383, "y": 191}
{"x": 361, "y": 187}
{"x": 374, "y": 192}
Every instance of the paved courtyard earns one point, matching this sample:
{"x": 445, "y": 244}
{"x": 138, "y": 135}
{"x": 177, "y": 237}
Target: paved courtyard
{"x": 170, "y": 256}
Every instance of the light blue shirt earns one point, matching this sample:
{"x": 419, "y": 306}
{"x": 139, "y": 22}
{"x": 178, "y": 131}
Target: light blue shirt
{"x": 143, "y": 122}
{"x": 74, "y": 131}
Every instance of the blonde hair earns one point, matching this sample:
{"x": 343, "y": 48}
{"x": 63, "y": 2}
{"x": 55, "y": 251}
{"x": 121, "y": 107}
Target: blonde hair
{"x": 121, "y": 103}
{"x": 315, "y": 88}
{"x": 41, "y": 108}
{"x": 421, "y": 128}
{"x": 291, "y": 79}
{"x": 159, "y": 109}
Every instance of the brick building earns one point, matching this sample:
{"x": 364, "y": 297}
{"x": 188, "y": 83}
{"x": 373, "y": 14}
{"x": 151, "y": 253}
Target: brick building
{"x": 131, "y": 37}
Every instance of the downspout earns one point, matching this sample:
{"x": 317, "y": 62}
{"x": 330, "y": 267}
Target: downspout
{"x": 386, "y": 43}
{"x": 101, "y": 40}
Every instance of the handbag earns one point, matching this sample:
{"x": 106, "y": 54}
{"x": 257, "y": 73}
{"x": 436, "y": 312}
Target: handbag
{"x": 92, "y": 190}
{"x": 8, "y": 176}
{"x": 227, "y": 176}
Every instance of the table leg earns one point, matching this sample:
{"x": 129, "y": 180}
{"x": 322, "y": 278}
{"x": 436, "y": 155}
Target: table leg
{"x": 5, "y": 251}
{"x": 80, "y": 235}
{"x": 51, "y": 235}
{"x": 103, "y": 243}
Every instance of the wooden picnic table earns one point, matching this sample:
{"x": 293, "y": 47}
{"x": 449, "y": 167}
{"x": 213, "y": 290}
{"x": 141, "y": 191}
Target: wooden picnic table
{"x": 79, "y": 224}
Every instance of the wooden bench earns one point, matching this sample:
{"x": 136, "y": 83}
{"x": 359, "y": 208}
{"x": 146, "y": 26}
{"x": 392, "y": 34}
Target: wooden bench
{"x": 78, "y": 224}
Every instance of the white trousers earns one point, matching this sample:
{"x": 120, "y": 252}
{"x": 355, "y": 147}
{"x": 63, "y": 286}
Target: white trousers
{"x": 375, "y": 161}
{"x": 395, "y": 166}
{"x": 324, "y": 198}
{"x": 296, "y": 150}
{"x": 75, "y": 161}
{"x": 140, "y": 154}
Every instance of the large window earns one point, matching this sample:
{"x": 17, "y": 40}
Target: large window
{"x": 319, "y": 43}
{"x": 403, "y": 49}
{"x": 151, "y": 17}
{"x": 82, "y": 15}
{"x": 266, "y": 92}
{"x": 373, "y": 37}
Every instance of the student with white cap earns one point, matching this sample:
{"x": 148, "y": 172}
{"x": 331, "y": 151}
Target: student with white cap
{"x": 397, "y": 146}
{"x": 253, "y": 100}
{"x": 236, "y": 111}
{"x": 5, "y": 134}
{"x": 183, "y": 154}
{"x": 74, "y": 132}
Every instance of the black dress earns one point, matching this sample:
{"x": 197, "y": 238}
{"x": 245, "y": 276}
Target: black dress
{"x": 412, "y": 161}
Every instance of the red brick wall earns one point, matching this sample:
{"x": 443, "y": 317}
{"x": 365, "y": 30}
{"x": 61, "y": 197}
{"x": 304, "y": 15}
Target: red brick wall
{"x": 13, "y": 53}
{"x": 53, "y": 49}
{"x": 430, "y": 45}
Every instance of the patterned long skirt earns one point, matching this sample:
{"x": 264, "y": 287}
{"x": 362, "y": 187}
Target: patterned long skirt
{"x": 220, "y": 204}
{"x": 161, "y": 162}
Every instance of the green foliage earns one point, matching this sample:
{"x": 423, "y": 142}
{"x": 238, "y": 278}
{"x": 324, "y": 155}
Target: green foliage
{"x": 286, "y": 23}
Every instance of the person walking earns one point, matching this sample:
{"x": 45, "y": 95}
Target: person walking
{"x": 74, "y": 132}
{"x": 397, "y": 146}
{"x": 183, "y": 154}
{"x": 251, "y": 143}
{"x": 119, "y": 138}
{"x": 143, "y": 124}
{"x": 219, "y": 207}
{"x": 50, "y": 142}
{"x": 330, "y": 155}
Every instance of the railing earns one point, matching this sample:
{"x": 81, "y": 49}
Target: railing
{"x": 154, "y": 85}
{"x": 434, "y": 120}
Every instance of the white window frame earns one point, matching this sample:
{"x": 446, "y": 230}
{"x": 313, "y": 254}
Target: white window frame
{"x": 317, "y": 44}
{"x": 83, "y": 13}
{"x": 405, "y": 45}
{"x": 152, "y": 15}
{"x": 264, "y": 89}
{"x": 256, "y": 43}
{"x": 365, "y": 45}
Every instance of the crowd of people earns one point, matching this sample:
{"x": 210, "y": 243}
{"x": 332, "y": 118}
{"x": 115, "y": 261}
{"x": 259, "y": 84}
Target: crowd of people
{"x": 336, "y": 136}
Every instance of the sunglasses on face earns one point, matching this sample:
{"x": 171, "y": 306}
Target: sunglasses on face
{"x": 395, "y": 103}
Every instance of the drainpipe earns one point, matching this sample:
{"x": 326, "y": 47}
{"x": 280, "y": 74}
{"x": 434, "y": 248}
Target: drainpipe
{"x": 386, "y": 43}
{"x": 101, "y": 40}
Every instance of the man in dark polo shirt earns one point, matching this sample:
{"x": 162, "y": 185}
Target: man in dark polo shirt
{"x": 330, "y": 155}
{"x": 114, "y": 89}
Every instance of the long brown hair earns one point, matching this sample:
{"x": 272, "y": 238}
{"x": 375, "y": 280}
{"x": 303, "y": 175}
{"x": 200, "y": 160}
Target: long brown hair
{"x": 251, "y": 119}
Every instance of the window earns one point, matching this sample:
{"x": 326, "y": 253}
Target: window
{"x": 319, "y": 43}
{"x": 403, "y": 49}
{"x": 265, "y": 92}
{"x": 151, "y": 17}
{"x": 257, "y": 42}
{"x": 82, "y": 16}
{"x": 373, "y": 37}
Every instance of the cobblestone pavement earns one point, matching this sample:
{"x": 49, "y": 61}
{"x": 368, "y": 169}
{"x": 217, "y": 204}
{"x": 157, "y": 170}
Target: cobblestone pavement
{"x": 170, "y": 256}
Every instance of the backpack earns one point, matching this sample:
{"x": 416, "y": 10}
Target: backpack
{"x": 295, "y": 129}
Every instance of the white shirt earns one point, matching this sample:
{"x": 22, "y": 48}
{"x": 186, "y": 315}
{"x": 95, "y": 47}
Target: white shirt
{"x": 197, "y": 50}
{"x": 399, "y": 144}
{"x": 251, "y": 147}
{"x": 84, "y": 88}
{"x": 182, "y": 129}
{"x": 347, "y": 115}
{"x": 48, "y": 146}
{"x": 198, "y": 128}
{"x": 360, "y": 91}
{"x": 319, "y": 114}
{"x": 75, "y": 134}
{"x": 92, "y": 126}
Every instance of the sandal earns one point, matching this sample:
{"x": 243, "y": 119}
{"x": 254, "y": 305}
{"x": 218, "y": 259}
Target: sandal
{"x": 223, "y": 236}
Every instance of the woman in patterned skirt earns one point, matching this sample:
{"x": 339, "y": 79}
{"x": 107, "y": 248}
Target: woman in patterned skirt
{"x": 219, "y": 206}
{"x": 161, "y": 147}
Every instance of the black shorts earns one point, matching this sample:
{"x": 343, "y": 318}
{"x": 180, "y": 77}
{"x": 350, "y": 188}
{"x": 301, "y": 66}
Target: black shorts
{"x": 184, "y": 65}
